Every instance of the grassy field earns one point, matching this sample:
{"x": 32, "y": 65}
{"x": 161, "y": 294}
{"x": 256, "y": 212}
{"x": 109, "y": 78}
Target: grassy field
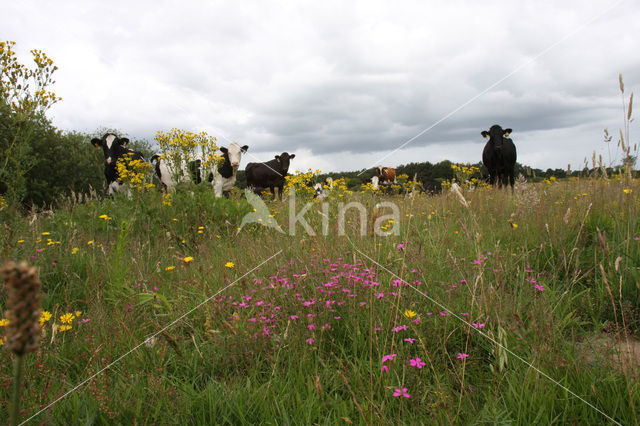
{"x": 518, "y": 309}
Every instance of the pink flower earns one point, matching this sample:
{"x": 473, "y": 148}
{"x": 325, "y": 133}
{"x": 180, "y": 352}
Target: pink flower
{"x": 293, "y": 317}
{"x": 401, "y": 392}
{"x": 410, "y": 340}
{"x": 400, "y": 246}
{"x": 478, "y": 324}
{"x": 389, "y": 357}
{"x": 310, "y": 340}
{"x": 539, "y": 287}
{"x": 384, "y": 368}
{"x": 311, "y": 327}
{"x": 379, "y": 295}
{"x": 462, "y": 355}
{"x": 417, "y": 363}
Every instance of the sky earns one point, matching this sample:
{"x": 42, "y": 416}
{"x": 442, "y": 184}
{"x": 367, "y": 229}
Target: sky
{"x": 345, "y": 85}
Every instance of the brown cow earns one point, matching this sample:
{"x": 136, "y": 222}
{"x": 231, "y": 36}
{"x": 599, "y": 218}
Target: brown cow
{"x": 386, "y": 175}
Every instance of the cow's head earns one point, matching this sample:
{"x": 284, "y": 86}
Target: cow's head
{"x": 234, "y": 153}
{"x": 380, "y": 170}
{"x": 284, "y": 159}
{"x": 495, "y": 134}
{"x": 112, "y": 146}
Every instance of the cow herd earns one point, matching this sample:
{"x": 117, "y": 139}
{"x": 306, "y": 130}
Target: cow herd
{"x": 499, "y": 157}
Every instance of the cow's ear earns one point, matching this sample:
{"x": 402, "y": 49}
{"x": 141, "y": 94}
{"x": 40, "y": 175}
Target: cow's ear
{"x": 223, "y": 149}
{"x": 278, "y": 158}
{"x": 507, "y": 131}
{"x": 124, "y": 141}
{"x": 484, "y": 133}
{"x": 245, "y": 148}
{"x": 292, "y": 156}
{"x": 96, "y": 142}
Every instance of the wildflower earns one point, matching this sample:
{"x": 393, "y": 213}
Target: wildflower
{"x": 90, "y": 242}
{"x": 229, "y": 265}
{"x": 46, "y": 233}
{"x": 627, "y": 191}
{"x": 187, "y": 259}
{"x": 66, "y": 318}
{"x": 20, "y": 241}
{"x": 310, "y": 340}
{"x": 400, "y": 246}
{"x": 74, "y": 250}
{"x": 401, "y": 392}
{"x": 384, "y": 368}
{"x": 169, "y": 268}
{"x": 409, "y": 314}
{"x": 77, "y": 313}
{"x": 478, "y": 324}
{"x": 539, "y": 287}
{"x": 104, "y": 217}
{"x": 409, "y": 339}
{"x": 462, "y": 355}
{"x": 514, "y": 225}
{"x": 44, "y": 317}
{"x": 63, "y": 327}
{"x": 417, "y": 363}
{"x": 4, "y": 322}
{"x": 389, "y": 357}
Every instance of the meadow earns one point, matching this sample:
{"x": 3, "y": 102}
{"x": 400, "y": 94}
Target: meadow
{"x": 491, "y": 307}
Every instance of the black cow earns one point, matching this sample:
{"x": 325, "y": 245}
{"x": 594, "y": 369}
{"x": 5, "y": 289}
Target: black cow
{"x": 270, "y": 174}
{"x": 430, "y": 187}
{"x": 114, "y": 148}
{"x": 499, "y": 156}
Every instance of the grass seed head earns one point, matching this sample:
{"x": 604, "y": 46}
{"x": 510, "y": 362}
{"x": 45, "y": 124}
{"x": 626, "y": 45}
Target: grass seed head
{"x": 23, "y": 307}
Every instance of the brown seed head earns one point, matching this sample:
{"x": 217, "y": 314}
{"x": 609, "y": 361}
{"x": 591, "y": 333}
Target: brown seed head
{"x": 23, "y": 307}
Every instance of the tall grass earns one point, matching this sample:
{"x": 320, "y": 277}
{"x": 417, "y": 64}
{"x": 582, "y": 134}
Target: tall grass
{"x": 302, "y": 339}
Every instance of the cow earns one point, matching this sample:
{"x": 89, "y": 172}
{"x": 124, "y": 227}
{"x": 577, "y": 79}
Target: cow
{"x": 322, "y": 191}
{"x": 222, "y": 177}
{"x": 270, "y": 174}
{"x": 431, "y": 187}
{"x": 386, "y": 175}
{"x": 114, "y": 149}
{"x": 499, "y": 156}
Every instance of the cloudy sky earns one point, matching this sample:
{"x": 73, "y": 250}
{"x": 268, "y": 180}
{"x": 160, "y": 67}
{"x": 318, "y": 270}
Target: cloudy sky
{"x": 343, "y": 84}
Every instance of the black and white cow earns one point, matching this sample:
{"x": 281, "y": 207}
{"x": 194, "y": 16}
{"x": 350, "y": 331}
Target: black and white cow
{"x": 114, "y": 149}
{"x": 222, "y": 178}
{"x": 322, "y": 190}
{"x": 270, "y": 174}
{"x": 499, "y": 156}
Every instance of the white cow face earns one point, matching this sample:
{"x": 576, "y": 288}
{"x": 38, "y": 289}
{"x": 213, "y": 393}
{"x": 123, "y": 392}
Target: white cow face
{"x": 234, "y": 152}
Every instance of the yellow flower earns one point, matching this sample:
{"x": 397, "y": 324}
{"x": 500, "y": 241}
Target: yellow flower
{"x": 46, "y": 233}
{"x": 514, "y": 225}
{"x": 409, "y": 314}
{"x": 67, "y": 318}
{"x": 74, "y": 250}
{"x": 174, "y": 219}
{"x": 3, "y": 340}
{"x": 627, "y": 191}
{"x": 90, "y": 242}
{"x": 20, "y": 241}
{"x": 105, "y": 217}
{"x": 44, "y": 317}
{"x": 229, "y": 264}
{"x": 169, "y": 268}
{"x": 187, "y": 259}
{"x": 4, "y": 322}
{"x": 64, "y": 327}
{"x": 78, "y": 313}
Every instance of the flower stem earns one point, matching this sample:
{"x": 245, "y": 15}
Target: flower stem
{"x": 17, "y": 387}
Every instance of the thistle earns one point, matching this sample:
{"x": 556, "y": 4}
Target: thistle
{"x": 23, "y": 313}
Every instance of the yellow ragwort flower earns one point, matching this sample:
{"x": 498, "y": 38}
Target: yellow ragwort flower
{"x": 4, "y": 322}
{"x": 169, "y": 268}
{"x": 409, "y": 314}
{"x": 229, "y": 264}
{"x": 74, "y": 250}
{"x": 63, "y": 327}
{"x": 67, "y": 318}
{"x": 187, "y": 259}
{"x": 44, "y": 317}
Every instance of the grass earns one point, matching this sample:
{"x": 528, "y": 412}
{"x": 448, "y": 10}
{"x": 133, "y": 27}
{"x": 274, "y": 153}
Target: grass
{"x": 300, "y": 340}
